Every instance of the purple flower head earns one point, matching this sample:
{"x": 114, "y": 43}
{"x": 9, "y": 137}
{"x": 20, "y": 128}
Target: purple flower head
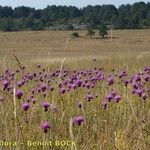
{"x": 104, "y": 104}
{"x": 146, "y": 68}
{"x": 109, "y": 97}
{"x": 45, "y": 105}
{"x": 117, "y": 98}
{"x": 45, "y": 126}
{"x": 110, "y": 80}
{"x": 137, "y": 78}
{"x": 146, "y": 77}
{"x": 73, "y": 86}
{"x": 78, "y": 83}
{"x": 62, "y": 91}
{"x": 43, "y": 87}
{"x": 88, "y": 85}
{"x": 135, "y": 86}
{"x": 19, "y": 84}
{"x": 77, "y": 120}
{"x": 19, "y": 94}
{"x": 5, "y": 83}
{"x": 139, "y": 92}
{"x": 144, "y": 96}
{"x": 89, "y": 97}
{"x": 39, "y": 89}
{"x": 25, "y": 106}
{"x": 122, "y": 73}
{"x": 126, "y": 82}
{"x": 33, "y": 100}
{"x": 113, "y": 93}
{"x": 51, "y": 88}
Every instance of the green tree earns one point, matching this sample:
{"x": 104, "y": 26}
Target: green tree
{"x": 75, "y": 35}
{"x": 38, "y": 25}
{"x": 20, "y": 12}
{"x": 29, "y": 21}
{"x": 6, "y": 12}
{"x": 90, "y": 33}
{"x": 6, "y": 24}
{"x": 127, "y": 16}
{"x": 70, "y": 27}
{"x": 103, "y": 31}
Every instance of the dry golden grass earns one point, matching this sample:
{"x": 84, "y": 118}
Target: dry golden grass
{"x": 50, "y": 45}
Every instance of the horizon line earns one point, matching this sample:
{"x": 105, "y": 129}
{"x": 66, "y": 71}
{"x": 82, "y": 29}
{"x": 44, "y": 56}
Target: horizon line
{"x": 72, "y": 5}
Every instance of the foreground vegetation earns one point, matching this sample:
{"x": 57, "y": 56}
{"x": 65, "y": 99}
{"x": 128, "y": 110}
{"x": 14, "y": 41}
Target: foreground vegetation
{"x": 92, "y": 94}
{"x": 100, "y": 106}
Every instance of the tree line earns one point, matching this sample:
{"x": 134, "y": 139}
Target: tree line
{"x": 125, "y": 17}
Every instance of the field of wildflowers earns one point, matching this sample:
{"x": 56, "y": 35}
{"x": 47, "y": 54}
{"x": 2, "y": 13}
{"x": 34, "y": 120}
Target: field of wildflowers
{"x": 99, "y": 107}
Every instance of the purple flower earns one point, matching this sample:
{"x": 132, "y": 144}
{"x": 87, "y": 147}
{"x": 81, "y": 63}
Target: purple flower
{"x": 45, "y": 126}
{"x": 20, "y": 83}
{"x": 77, "y": 120}
{"x": 33, "y": 100}
{"x": 78, "y": 83}
{"x": 104, "y": 104}
{"x": 137, "y": 78}
{"x": 122, "y": 73}
{"x": 109, "y": 97}
{"x": 5, "y": 83}
{"x": 139, "y": 92}
{"x": 144, "y": 96}
{"x": 25, "y": 106}
{"x": 73, "y": 86}
{"x": 62, "y": 91}
{"x": 89, "y": 97}
{"x": 146, "y": 77}
{"x": 146, "y": 68}
{"x": 126, "y": 82}
{"x": 43, "y": 87}
{"x": 117, "y": 98}
{"x": 19, "y": 94}
{"x": 135, "y": 86}
{"x": 45, "y": 105}
{"x": 113, "y": 93}
{"x": 110, "y": 80}
{"x": 51, "y": 88}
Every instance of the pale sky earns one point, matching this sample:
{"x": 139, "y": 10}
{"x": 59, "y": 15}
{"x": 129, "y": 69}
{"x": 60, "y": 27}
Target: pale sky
{"x": 79, "y": 3}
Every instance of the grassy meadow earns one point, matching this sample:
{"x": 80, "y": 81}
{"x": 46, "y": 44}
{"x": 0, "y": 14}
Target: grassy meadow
{"x": 48, "y": 66}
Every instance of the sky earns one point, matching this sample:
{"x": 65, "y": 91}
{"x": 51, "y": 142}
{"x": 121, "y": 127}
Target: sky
{"x": 40, "y": 4}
